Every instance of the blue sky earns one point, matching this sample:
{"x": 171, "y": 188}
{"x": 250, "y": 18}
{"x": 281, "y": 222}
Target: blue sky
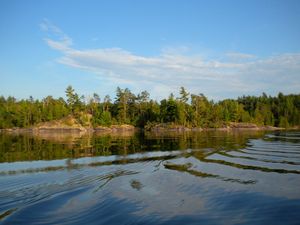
{"x": 223, "y": 49}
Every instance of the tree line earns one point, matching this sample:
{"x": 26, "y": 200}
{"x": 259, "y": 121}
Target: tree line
{"x": 188, "y": 110}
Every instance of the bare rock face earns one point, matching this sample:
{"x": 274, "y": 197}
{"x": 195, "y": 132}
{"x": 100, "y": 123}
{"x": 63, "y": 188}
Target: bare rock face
{"x": 168, "y": 127}
{"x": 251, "y": 126}
{"x": 243, "y": 125}
{"x": 67, "y": 123}
{"x": 123, "y": 127}
{"x": 115, "y": 128}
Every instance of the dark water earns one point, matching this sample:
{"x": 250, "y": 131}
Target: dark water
{"x": 187, "y": 178}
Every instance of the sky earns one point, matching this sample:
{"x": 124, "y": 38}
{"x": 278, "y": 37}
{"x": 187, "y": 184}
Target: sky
{"x": 223, "y": 49}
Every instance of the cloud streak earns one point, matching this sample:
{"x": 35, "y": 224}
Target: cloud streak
{"x": 236, "y": 74}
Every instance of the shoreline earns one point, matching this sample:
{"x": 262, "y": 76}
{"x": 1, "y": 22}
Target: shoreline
{"x": 121, "y": 128}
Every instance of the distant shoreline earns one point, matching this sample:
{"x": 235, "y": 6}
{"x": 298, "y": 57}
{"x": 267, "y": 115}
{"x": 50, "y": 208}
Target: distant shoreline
{"x": 159, "y": 128}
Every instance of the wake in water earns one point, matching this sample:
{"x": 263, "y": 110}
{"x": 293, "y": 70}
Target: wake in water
{"x": 216, "y": 178}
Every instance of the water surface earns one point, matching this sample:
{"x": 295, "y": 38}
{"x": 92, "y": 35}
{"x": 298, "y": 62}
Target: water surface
{"x": 138, "y": 178}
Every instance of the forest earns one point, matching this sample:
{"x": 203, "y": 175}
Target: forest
{"x": 189, "y": 110}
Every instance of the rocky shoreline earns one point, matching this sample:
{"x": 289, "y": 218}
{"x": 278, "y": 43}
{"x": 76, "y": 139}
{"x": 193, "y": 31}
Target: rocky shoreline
{"x": 129, "y": 128}
{"x": 114, "y": 128}
{"x": 229, "y": 127}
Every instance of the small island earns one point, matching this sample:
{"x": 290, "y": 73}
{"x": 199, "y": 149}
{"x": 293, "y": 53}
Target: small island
{"x": 129, "y": 111}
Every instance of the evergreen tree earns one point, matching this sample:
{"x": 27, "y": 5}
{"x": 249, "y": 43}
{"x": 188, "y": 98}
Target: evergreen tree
{"x": 281, "y": 110}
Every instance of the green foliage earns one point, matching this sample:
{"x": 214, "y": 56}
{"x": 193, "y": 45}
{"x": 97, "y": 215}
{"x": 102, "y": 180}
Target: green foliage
{"x": 184, "y": 95}
{"x": 105, "y": 119}
{"x": 201, "y": 110}
{"x": 188, "y": 110}
{"x": 73, "y": 100}
{"x": 124, "y": 99}
{"x": 169, "y": 110}
{"x": 283, "y": 122}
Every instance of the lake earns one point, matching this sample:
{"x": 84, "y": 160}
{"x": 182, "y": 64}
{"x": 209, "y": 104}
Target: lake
{"x": 150, "y": 178}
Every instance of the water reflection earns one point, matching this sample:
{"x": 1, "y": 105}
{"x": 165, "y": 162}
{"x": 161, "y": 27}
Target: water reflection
{"x": 136, "y": 184}
{"x": 186, "y": 168}
{"x": 51, "y": 146}
{"x": 150, "y": 178}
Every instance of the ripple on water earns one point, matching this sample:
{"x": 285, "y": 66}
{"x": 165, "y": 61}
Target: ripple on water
{"x": 256, "y": 181}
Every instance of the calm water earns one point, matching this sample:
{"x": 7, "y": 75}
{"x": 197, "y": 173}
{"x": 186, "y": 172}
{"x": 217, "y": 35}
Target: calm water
{"x": 188, "y": 178}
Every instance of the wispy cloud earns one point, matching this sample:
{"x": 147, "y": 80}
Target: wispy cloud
{"x": 239, "y": 57}
{"x": 236, "y": 74}
{"x": 62, "y": 41}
